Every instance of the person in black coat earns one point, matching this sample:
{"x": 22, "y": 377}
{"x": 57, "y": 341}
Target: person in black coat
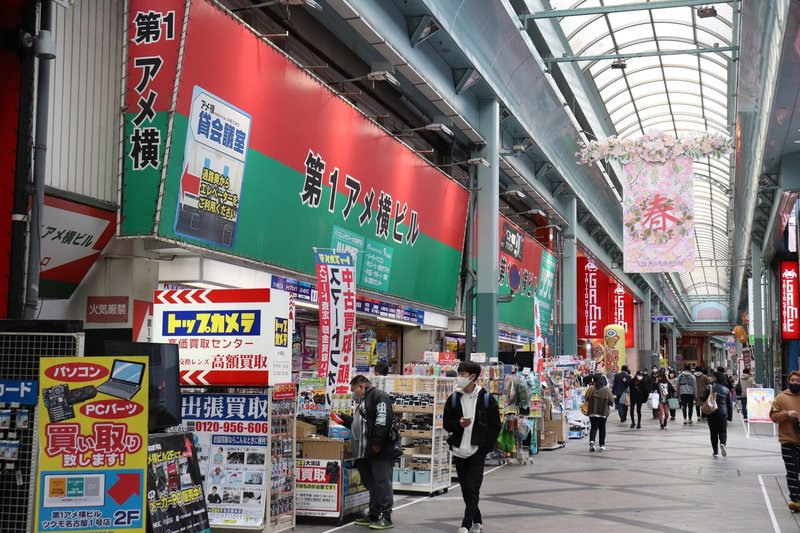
{"x": 718, "y": 420}
{"x": 621, "y": 382}
{"x": 472, "y": 417}
{"x": 638, "y": 391}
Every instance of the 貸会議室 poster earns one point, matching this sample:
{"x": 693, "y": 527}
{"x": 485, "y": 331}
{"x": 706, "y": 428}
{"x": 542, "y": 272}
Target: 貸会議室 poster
{"x": 213, "y": 170}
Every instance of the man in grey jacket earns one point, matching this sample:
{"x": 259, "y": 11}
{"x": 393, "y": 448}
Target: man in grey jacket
{"x": 687, "y": 389}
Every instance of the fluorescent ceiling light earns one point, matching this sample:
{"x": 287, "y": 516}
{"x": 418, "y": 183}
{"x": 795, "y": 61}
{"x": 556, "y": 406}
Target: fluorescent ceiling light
{"x": 479, "y": 161}
{"x": 383, "y": 75}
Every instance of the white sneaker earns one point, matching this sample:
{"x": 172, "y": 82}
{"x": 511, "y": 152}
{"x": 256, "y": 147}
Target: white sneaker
{"x": 723, "y": 450}
{"x": 462, "y": 530}
{"x": 602, "y": 448}
{"x": 476, "y": 528}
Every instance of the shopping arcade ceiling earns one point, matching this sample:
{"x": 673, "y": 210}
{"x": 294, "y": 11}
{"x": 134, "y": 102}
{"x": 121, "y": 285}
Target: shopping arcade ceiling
{"x": 674, "y": 93}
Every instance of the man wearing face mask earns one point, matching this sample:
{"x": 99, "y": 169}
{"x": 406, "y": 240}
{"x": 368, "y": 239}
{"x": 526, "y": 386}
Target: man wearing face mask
{"x": 373, "y": 449}
{"x": 472, "y": 417}
{"x": 785, "y": 412}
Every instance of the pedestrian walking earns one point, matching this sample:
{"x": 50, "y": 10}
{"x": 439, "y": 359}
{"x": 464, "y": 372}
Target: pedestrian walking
{"x": 785, "y": 412}
{"x": 651, "y": 382}
{"x": 687, "y": 390}
{"x": 620, "y": 390}
{"x": 718, "y": 420}
{"x": 373, "y": 449}
{"x": 637, "y": 394}
{"x": 665, "y": 391}
{"x": 600, "y": 400}
{"x": 702, "y": 383}
{"x": 745, "y": 382}
{"x": 472, "y": 417}
{"x": 673, "y": 380}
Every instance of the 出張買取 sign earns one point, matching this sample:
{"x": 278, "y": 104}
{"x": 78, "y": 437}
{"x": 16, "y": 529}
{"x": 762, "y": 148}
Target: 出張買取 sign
{"x": 227, "y": 336}
{"x": 92, "y": 444}
{"x": 271, "y": 183}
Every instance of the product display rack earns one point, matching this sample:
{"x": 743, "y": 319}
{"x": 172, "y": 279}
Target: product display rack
{"x": 280, "y": 504}
{"x": 425, "y": 465}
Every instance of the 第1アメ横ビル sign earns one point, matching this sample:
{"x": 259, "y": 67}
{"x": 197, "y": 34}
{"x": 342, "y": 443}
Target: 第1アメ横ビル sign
{"x": 93, "y": 444}
{"x": 271, "y": 183}
{"x": 227, "y": 336}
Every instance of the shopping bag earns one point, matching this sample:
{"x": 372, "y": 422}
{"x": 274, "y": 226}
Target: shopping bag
{"x": 653, "y": 400}
{"x": 674, "y": 403}
{"x": 710, "y": 405}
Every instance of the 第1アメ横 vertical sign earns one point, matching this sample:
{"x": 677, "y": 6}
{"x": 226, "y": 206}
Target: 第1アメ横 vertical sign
{"x": 92, "y": 444}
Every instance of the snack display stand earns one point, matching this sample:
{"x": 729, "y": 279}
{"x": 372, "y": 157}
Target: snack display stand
{"x": 425, "y": 465}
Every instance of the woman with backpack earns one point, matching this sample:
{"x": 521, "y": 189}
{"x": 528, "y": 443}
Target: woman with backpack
{"x": 716, "y": 392}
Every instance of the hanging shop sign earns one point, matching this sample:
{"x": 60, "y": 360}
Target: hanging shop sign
{"x": 19, "y": 392}
{"x": 93, "y": 444}
{"x": 662, "y": 319}
{"x": 175, "y": 498}
{"x": 337, "y": 319}
{"x": 107, "y": 309}
{"x": 243, "y": 174}
{"x": 226, "y": 336}
{"x": 593, "y": 311}
{"x": 232, "y": 438}
{"x": 142, "y": 321}
{"x": 622, "y": 311}
{"x": 73, "y": 235}
{"x": 790, "y": 300}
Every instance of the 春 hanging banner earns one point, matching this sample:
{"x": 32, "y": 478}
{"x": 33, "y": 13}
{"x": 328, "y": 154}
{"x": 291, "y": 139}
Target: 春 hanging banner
{"x": 337, "y": 319}
{"x": 658, "y": 216}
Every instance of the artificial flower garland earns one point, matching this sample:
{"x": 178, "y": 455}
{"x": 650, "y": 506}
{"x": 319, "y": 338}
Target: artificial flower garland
{"x": 656, "y": 147}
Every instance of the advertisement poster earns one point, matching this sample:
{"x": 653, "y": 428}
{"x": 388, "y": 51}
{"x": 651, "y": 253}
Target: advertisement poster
{"x": 227, "y": 336}
{"x": 311, "y": 397}
{"x": 658, "y": 216}
{"x": 407, "y": 216}
{"x": 759, "y": 402}
{"x": 614, "y": 345}
{"x": 175, "y": 498}
{"x": 232, "y": 439}
{"x": 92, "y": 444}
{"x": 318, "y": 488}
{"x": 337, "y": 319}
{"x": 217, "y": 139}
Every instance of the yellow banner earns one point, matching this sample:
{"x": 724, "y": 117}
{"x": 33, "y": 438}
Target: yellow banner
{"x": 92, "y": 444}
{"x": 614, "y": 344}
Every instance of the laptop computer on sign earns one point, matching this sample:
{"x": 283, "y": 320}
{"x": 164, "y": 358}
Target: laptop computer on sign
{"x": 125, "y": 380}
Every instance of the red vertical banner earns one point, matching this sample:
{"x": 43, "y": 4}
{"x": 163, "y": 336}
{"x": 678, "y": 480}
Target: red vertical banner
{"x": 790, "y": 327}
{"x": 337, "y": 316}
{"x": 622, "y": 311}
{"x": 593, "y": 298}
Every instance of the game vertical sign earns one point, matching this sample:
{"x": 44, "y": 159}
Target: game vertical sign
{"x": 337, "y": 319}
{"x": 226, "y": 336}
{"x": 92, "y": 444}
{"x": 153, "y": 36}
{"x": 790, "y": 296}
{"x": 592, "y": 299}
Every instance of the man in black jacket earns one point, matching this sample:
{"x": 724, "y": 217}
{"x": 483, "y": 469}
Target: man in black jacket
{"x": 622, "y": 380}
{"x": 472, "y": 417}
{"x": 373, "y": 449}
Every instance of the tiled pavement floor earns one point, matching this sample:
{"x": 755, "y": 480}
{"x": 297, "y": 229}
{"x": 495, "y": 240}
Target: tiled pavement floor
{"x": 647, "y": 480}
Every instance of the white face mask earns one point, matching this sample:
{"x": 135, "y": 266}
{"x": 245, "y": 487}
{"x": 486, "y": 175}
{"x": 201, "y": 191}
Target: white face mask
{"x": 462, "y": 382}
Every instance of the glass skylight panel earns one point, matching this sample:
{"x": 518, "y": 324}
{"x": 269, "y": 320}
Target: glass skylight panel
{"x": 666, "y": 29}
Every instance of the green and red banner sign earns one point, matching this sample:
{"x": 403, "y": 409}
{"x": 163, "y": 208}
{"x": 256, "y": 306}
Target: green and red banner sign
{"x": 266, "y": 163}
{"x": 526, "y": 269}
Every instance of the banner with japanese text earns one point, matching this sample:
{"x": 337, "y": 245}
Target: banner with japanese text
{"x": 622, "y": 311}
{"x": 153, "y": 35}
{"x": 175, "y": 498}
{"x": 658, "y": 215}
{"x": 337, "y": 319}
{"x": 92, "y": 444}
{"x": 231, "y": 434}
{"x": 226, "y": 336}
{"x": 593, "y": 291}
{"x": 248, "y": 178}
{"x": 790, "y": 301}
{"x": 318, "y": 487}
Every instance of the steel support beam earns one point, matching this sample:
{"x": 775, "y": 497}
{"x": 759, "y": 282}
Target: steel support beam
{"x": 630, "y": 55}
{"x": 602, "y": 10}
{"x": 569, "y": 280}
{"x": 756, "y": 314}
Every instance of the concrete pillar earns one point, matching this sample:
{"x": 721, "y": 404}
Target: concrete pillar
{"x": 488, "y": 226}
{"x": 656, "y": 346}
{"x": 673, "y": 345}
{"x": 756, "y": 313}
{"x": 569, "y": 280}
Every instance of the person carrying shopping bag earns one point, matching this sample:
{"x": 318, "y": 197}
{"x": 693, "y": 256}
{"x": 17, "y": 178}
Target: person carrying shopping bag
{"x": 665, "y": 391}
{"x": 718, "y": 419}
{"x": 600, "y": 400}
